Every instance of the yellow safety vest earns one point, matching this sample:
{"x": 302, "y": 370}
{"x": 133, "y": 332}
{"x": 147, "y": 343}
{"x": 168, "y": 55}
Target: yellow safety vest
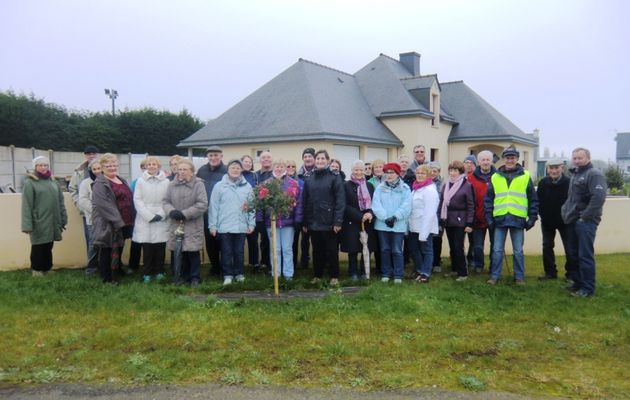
{"x": 512, "y": 199}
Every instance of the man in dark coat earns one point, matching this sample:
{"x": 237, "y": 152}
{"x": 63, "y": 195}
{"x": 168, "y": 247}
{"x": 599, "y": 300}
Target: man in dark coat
{"x": 212, "y": 173}
{"x": 582, "y": 212}
{"x": 265, "y": 172}
{"x": 552, "y": 192}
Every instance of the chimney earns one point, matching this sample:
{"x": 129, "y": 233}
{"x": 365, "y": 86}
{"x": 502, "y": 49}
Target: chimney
{"x": 411, "y": 61}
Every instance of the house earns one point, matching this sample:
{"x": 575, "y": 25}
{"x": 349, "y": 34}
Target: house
{"x": 623, "y": 151}
{"x": 381, "y": 111}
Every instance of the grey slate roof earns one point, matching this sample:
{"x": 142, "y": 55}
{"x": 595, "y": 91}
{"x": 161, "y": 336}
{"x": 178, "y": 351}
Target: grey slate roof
{"x": 307, "y": 101}
{"x": 623, "y": 145}
{"x": 477, "y": 119}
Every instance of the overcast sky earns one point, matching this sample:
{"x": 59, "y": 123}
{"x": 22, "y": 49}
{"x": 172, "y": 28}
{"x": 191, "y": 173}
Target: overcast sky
{"x": 560, "y": 66}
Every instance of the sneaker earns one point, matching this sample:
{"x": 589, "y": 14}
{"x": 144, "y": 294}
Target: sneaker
{"x": 384, "y": 279}
{"x": 581, "y": 293}
{"x": 160, "y": 277}
{"x": 437, "y": 269}
{"x": 491, "y": 281}
{"x": 519, "y": 282}
{"x": 147, "y": 279}
{"x": 422, "y": 278}
{"x": 240, "y": 278}
{"x": 334, "y": 282}
{"x": 461, "y": 279}
{"x": 37, "y": 273}
{"x": 397, "y": 281}
{"x": 315, "y": 280}
{"x": 227, "y": 281}
{"x": 547, "y": 277}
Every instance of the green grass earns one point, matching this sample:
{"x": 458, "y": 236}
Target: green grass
{"x": 534, "y": 340}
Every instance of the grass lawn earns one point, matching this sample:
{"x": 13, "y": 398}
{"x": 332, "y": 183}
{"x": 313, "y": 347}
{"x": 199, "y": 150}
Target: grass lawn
{"x": 534, "y": 339}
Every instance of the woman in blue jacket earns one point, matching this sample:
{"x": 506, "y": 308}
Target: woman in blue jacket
{"x": 391, "y": 206}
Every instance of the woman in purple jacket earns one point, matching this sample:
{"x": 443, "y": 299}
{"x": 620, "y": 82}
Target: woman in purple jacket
{"x": 285, "y": 224}
{"x": 456, "y": 210}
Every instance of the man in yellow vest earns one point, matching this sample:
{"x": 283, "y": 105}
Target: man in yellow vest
{"x": 510, "y": 205}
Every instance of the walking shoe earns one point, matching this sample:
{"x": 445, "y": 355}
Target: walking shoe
{"x": 519, "y": 282}
{"x": 240, "y": 278}
{"x": 147, "y": 279}
{"x": 334, "y": 282}
{"x": 461, "y": 279}
{"x": 397, "y": 281}
{"x": 422, "y": 278}
{"x": 547, "y": 277}
{"x": 315, "y": 280}
{"x": 384, "y": 279}
{"x": 160, "y": 277}
{"x": 437, "y": 269}
{"x": 227, "y": 280}
{"x": 581, "y": 293}
{"x": 37, "y": 273}
{"x": 491, "y": 281}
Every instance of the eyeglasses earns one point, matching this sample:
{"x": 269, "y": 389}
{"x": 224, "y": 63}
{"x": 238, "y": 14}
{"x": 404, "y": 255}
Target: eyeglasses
{"x": 290, "y": 166}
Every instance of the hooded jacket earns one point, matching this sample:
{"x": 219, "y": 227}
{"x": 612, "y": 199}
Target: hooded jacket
{"x": 43, "y": 210}
{"x": 228, "y": 206}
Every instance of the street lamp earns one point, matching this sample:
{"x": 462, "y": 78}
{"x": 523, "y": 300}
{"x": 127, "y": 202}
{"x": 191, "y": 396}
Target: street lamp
{"x": 112, "y": 95}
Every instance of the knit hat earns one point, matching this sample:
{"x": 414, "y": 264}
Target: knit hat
{"x": 471, "y": 158}
{"x": 510, "y": 151}
{"x": 308, "y": 150}
{"x": 90, "y": 149}
{"x": 235, "y": 161}
{"x": 392, "y": 167}
{"x": 436, "y": 165}
{"x": 40, "y": 160}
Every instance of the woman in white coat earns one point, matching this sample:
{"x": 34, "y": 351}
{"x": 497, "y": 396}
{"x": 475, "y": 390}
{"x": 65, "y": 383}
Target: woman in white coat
{"x": 151, "y": 225}
{"x": 423, "y": 222}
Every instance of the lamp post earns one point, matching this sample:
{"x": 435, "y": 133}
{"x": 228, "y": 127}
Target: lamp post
{"x": 113, "y": 94}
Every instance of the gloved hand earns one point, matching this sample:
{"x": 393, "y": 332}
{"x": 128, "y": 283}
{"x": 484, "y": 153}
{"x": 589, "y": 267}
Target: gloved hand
{"x": 176, "y": 215}
{"x": 530, "y": 224}
{"x": 156, "y": 218}
{"x": 390, "y": 222}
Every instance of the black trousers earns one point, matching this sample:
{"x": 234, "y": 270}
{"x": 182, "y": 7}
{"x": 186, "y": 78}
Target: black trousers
{"x": 252, "y": 248}
{"x": 135, "y": 253}
{"x": 437, "y": 249}
{"x": 305, "y": 245}
{"x": 105, "y": 263}
{"x": 213, "y": 248}
{"x": 549, "y": 256}
{"x": 455, "y": 237}
{"x": 325, "y": 251}
{"x": 261, "y": 231}
{"x": 153, "y": 258}
{"x": 41, "y": 256}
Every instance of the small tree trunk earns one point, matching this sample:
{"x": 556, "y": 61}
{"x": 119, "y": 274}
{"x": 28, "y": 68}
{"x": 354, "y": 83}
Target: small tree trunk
{"x": 275, "y": 254}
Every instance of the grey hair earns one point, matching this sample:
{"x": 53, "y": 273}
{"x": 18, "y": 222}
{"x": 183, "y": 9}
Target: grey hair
{"x": 485, "y": 153}
{"x": 358, "y": 163}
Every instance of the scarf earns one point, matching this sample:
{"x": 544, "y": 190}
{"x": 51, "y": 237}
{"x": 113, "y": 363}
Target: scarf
{"x": 419, "y": 185}
{"x": 45, "y": 175}
{"x": 393, "y": 185}
{"x": 278, "y": 176}
{"x": 363, "y": 194}
{"x": 449, "y": 191}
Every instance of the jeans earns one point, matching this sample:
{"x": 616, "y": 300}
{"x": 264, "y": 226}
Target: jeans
{"x": 421, "y": 253}
{"x": 479, "y": 238}
{"x": 518, "y": 236}
{"x": 191, "y": 266}
{"x": 549, "y": 256}
{"x": 232, "y": 253}
{"x": 392, "y": 261}
{"x": 284, "y": 251}
{"x": 455, "y": 236}
{"x": 582, "y": 239}
{"x": 92, "y": 252}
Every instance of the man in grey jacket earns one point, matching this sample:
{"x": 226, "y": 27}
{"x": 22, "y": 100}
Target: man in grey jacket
{"x": 582, "y": 212}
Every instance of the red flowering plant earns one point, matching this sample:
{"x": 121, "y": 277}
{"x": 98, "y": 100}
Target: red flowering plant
{"x": 270, "y": 198}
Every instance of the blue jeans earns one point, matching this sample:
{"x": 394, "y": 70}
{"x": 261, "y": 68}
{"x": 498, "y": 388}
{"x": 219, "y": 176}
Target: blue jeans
{"x": 479, "y": 238}
{"x": 392, "y": 261}
{"x": 191, "y": 266}
{"x": 284, "y": 250}
{"x": 92, "y": 253}
{"x": 581, "y": 245}
{"x": 518, "y": 236}
{"x": 421, "y": 253}
{"x": 232, "y": 253}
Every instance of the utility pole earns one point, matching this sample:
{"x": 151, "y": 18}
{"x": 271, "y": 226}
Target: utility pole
{"x": 113, "y": 94}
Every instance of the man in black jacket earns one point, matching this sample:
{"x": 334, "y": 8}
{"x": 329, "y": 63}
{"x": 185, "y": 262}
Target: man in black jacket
{"x": 552, "y": 192}
{"x": 265, "y": 172}
{"x": 211, "y": 173}
{"x": 582, "y": 212}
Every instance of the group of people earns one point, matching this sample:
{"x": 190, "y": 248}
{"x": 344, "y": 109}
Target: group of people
{"x": 402, "y": 207}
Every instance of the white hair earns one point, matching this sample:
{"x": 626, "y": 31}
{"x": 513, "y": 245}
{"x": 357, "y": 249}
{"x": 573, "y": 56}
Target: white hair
{"x": 358, "y": 163}
{"x": 483, "y": 153}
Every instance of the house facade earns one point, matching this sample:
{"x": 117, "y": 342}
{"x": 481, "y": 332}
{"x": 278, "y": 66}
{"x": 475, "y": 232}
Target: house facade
{"x": 623, "y": 151}
{"x": 379, "y": 112}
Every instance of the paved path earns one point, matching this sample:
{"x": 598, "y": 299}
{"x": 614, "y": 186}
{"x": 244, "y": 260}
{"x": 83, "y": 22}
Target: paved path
{"x": 220, "y": 392}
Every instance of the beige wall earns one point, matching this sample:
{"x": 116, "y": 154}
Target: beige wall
{"x": 612, "y": 235}
{"x": 415, "y": 130}
{"x": 459, "y": 150}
